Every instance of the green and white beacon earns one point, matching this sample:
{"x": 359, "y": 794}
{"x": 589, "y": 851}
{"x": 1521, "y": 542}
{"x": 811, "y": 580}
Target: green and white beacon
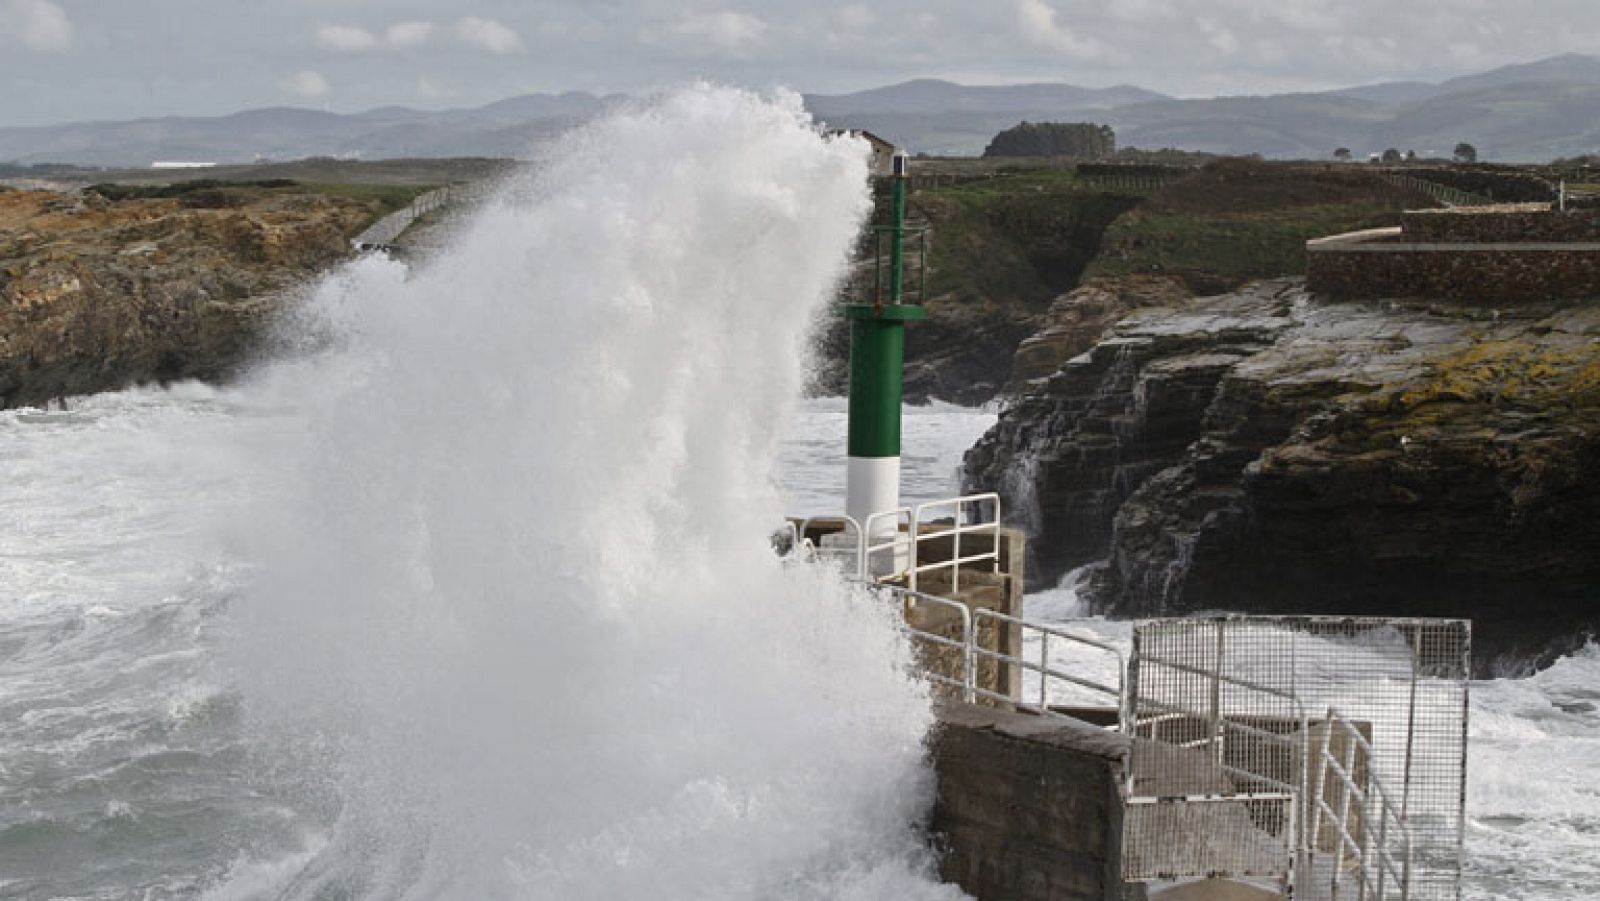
{"x": 877, "y": 358}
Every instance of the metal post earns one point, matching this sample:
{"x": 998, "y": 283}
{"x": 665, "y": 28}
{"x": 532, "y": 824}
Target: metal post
{"x": 1216, "y": 698}
{"x": 877, "y": 363}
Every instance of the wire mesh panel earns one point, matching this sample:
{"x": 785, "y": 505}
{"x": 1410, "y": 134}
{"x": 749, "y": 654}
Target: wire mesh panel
{"x": 1234, "y": 706}
{"x": 1227, "y": 838}
{"x": 1221, "y": 755}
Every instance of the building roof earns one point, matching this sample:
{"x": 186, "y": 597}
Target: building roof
{"x": 877, "y": 142}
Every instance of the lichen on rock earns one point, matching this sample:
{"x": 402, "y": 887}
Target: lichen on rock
{"x": 1270, "y": 451}
{"x": 98, "y": 294}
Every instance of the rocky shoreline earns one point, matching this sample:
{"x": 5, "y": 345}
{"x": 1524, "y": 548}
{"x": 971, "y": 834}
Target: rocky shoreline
{"x": 1271, "y": 451}
{"x": 1264, "y": 450}
{"x": 98, "y": 294}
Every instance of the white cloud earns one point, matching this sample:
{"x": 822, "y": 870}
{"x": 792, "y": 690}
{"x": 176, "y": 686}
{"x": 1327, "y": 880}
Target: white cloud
{"x": 345, "y": 38}
{"x": 727, "y": 30}
{"x": 856, "y": 17}
{"x": 306, "y": 83}
{"x": 355, "y": 39}
{"x": 36, "y": 25}
{"x": 1039, "y": 25}
{"x": 405, "y": 35}
{"x": 491, "y": 35}
{"x": 1225, "y": 41}
{"x": 428, "y": 89}
{"x": 1141, "y": 11}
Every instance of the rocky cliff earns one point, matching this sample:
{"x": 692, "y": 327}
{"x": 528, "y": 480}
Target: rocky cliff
{"x": 1000, "y": 249}
{"x": 98, "y": 294}
{"x": 1268, "y": 451}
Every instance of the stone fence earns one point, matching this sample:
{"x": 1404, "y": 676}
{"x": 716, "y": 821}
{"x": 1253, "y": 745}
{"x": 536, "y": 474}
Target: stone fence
{"x": 1512, "y": 224}
{"x": 1380, "y": 263}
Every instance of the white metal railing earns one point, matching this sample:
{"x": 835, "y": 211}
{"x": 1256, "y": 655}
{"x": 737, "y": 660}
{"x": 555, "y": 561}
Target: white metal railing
{"x": 972, "y": 651}
{"x": 1043, "y": 668}
{"x": 850, "y": 556}
{"x": 958, "y": 527}
{"x": 1216, "y": 710}
{"x": 861, "y": 556}
{"x": 1213, "y": 788}
{"x": 1365, "y": 803}
{"x": 1255, "y": 766}
{"x": 888, "y": 546}
{"x": 966, "y": 679}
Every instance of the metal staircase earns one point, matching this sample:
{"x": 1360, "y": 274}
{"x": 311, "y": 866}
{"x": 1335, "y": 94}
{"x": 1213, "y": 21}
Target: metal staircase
{"x": 1229, "y": 777}
{"x": 1323, "y": 757}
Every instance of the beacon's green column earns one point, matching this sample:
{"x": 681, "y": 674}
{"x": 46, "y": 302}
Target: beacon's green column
{"x": 877, "y": 358}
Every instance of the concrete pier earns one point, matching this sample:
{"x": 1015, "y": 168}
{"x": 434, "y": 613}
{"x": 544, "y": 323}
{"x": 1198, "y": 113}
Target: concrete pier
{"x": 1028, "y": 807}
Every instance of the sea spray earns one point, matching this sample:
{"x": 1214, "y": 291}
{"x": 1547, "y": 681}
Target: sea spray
{"x": 519, "y": 615}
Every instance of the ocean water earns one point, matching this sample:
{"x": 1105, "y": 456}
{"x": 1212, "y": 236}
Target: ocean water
{"x": 1533, "y": 763}
{"x": 471, "y": 599}
{"x": 472, "y": 595}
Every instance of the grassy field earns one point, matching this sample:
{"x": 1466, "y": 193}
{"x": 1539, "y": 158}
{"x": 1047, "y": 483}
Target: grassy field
{"x": 1220, "y": 251}
{"x": 1020, "y": 237}
{"x": 1238, "y": 220}
{"x": 429, "y": 172}
{"x": 379, "y": 199}
{"x": 382, "y": 198}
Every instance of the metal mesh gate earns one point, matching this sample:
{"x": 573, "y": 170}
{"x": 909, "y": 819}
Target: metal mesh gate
{"x": 1329, "y": 751}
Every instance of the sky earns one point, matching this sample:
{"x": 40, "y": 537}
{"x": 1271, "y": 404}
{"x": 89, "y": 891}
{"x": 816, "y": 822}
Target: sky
{"x": 70, "y": 60}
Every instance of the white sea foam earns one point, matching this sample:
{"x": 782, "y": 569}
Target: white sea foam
{"x": 647, "y": 734}
{"x": 522, "y": 610}
{"x": 1533, "y": 809}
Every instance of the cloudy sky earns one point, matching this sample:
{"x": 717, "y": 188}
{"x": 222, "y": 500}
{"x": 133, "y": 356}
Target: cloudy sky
{"x": 80, "y": 59}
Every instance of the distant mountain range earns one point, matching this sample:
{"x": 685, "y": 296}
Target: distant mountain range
{"x": 1531, "y": 112}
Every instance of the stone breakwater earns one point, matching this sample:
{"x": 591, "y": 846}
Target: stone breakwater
{"x": 1270, "y": 451}
{"x": 1504, "y": 224}
{"x": 1509, "y": 254}
{"x": 96, "y": 295}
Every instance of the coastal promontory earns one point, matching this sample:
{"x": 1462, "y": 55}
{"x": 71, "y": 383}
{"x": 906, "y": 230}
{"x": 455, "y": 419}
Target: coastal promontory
{"x": 100, "y": 292}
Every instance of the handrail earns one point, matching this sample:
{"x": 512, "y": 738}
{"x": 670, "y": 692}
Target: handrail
{"x": 1227, "y": 680}
{"x": 1296, "y": 742}
{"x": 973, "y": 650}
{"x": 1043, "y": 666}
{"x": 968, "y": 678}
{"x": 1346, "y": 772}
{"x": 955, "y": 530}
{"x": 908, "y": 535}
{"x": 898, "y": 541}
{"x": 388, "y": 229}
{"x": 825, "y": 553}
{"x": 1252, "y": 751}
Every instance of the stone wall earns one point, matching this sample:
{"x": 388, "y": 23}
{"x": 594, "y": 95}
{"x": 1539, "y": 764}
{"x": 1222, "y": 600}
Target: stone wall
{"x": 1524, "y": 223}
{"x": 1028, "y": 808}
{"x": 1370, "y": 265}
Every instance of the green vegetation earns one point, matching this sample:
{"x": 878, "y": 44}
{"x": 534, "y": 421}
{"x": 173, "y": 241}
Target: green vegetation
{"x": 198, "y": 192}
{"x": 1077, "y": 139}
{"x": 1237, "y": 220}
{"x": 210, "y": 193}
{"x": 1022, "y": 237}
{"x": 382, "y": 198}
{"x": 1218, "y": 253}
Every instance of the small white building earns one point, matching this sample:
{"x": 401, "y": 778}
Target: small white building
{"x": 180, "y": 164}
{"x": 882, "y": 151}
